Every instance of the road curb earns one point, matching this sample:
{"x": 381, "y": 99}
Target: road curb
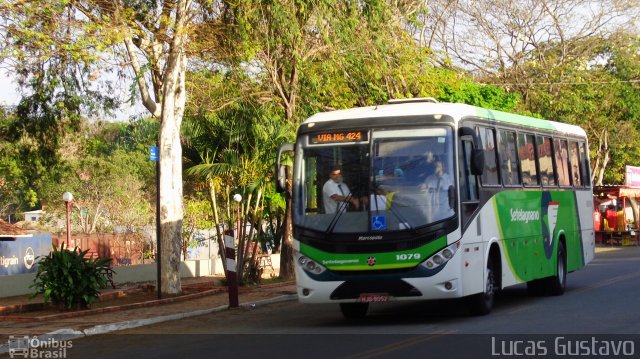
{"x": 107, "y": 328}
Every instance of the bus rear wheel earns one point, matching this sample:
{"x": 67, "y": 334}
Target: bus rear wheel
{"x": 354, "y": 310}
{"x": 482, "y": 303}
{"x": 558, "y": 282}
{"x": 555, "y": 284}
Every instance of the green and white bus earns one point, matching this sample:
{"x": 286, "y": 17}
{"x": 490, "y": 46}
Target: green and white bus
{"x": 514, "y": 204}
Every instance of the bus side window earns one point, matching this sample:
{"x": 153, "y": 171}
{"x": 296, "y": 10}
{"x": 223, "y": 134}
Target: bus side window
{"x": 545, "y": 161}
{"x": 574, "y": 163}
{"x": 508, "y": 158}
{"x": 584, "y": 165}
{"x": 562, "y": 164}
{"x": 490, "y": 174}
{"x": 527, "y": 157}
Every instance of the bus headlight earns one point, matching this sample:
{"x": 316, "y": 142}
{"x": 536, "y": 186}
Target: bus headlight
{"x": 309, "y": 265}
{"x": 441, "y": 257}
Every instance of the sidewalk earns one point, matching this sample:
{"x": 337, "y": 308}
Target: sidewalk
{"x": 109, "y": 319}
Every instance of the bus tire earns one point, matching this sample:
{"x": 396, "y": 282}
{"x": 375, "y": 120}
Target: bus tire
{"x": 354, "y": 310}
{"x": 482, "y": 303}
{"x": 557, "y": 283}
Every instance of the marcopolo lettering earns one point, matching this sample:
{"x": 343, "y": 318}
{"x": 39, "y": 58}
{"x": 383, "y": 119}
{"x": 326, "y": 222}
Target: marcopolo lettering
{"x": 520, "y": 215}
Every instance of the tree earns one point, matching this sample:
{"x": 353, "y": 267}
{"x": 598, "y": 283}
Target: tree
{"x": 196, "y": 217}
{"x": 232, "y": 151}
{"x": 26, "y": 167}
{"x": 153, "y": 38}
{"x": 106, "y": 192}
{"x": 492, "y": 38}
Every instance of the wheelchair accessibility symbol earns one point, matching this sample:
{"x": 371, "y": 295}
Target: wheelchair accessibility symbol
{"x": 378, "y": 223}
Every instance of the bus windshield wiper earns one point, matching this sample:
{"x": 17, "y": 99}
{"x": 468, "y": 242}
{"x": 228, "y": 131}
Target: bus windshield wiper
{"x": 342, "y": 207}
{"x": 400, "y": 218}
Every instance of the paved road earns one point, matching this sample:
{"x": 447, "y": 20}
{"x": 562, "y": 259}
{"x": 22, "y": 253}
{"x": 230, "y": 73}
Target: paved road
{"x": 602, "y": 303}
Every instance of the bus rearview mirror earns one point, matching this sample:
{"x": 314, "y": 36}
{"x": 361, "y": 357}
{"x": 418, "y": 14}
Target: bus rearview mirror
{"x": 281, "y": 181}
{"x": 281, "y": 170}
{"x": 477, "y": 154}
{"x": 477, "y": 162}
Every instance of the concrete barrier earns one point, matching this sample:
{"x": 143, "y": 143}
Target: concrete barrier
{"x": 18, "y": 284}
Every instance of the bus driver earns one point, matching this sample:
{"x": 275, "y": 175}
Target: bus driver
{"x": 336, "y": 193}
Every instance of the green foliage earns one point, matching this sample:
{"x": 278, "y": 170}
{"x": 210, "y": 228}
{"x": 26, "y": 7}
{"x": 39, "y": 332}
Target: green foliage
{"x": 238, "y": 143}
{"x": 137, "y": 135}
{"x": 68, "y": 278}
{"x": 24, "y": 168}
{"x": 197, "y": 215}
{"x": 274, "y": 213}
{"x": 471, "y": 93}
{"x": 108, "y": 190}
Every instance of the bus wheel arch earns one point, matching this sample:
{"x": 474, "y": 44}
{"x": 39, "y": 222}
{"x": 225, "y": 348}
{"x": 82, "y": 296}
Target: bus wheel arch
{"x": 495, "y": 258}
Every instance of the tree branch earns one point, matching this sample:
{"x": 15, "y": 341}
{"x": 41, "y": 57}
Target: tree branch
{"x": 148, "y": 102}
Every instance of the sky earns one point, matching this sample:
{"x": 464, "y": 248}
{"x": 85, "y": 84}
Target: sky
{"x": 8, "y": 90}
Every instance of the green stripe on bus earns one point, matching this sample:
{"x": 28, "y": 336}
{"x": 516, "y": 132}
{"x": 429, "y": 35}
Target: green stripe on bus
{"x": 374, "y": 261}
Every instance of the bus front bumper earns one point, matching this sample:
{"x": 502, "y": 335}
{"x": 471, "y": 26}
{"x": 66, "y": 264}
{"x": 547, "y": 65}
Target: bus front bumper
{"x": 443, "y": 284}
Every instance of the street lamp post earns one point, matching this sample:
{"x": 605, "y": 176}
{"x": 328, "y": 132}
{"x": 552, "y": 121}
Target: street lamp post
{"x": 238, "y": 198}
{"x": 68, "y": 197}
{"x": 232, "y": 279}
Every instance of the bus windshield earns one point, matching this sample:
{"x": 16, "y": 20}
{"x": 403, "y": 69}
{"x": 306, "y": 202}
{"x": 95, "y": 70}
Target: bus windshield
{"x": 392, "y": 180}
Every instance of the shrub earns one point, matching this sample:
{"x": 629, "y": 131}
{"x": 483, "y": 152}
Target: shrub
{"x": 67, "y": 278}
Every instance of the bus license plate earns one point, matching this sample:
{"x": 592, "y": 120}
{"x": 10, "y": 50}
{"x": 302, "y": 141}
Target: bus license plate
{"x": 373, "y": 297}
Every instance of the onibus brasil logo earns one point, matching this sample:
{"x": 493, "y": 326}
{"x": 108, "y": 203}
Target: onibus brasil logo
{"x": 24, "y": 346}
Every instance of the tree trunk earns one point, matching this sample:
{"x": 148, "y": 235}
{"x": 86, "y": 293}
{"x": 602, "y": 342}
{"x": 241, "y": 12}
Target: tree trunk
{"x": 286, "y": 254}
{"x": 171, "y": 214}
{"x": 216, "y": 221}
{"x": 173, "y": 101}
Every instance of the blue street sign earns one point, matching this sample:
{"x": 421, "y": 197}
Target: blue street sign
{"x": 378, "y": 223}
{"x": 153, "y": 153}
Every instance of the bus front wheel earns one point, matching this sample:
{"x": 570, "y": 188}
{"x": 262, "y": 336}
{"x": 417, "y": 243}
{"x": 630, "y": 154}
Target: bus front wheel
{"x": 354, "y": 310}
{"x": 482, "y": 303}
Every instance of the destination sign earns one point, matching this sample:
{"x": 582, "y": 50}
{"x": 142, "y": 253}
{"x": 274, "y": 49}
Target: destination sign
{"x": 338, "y": 137}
